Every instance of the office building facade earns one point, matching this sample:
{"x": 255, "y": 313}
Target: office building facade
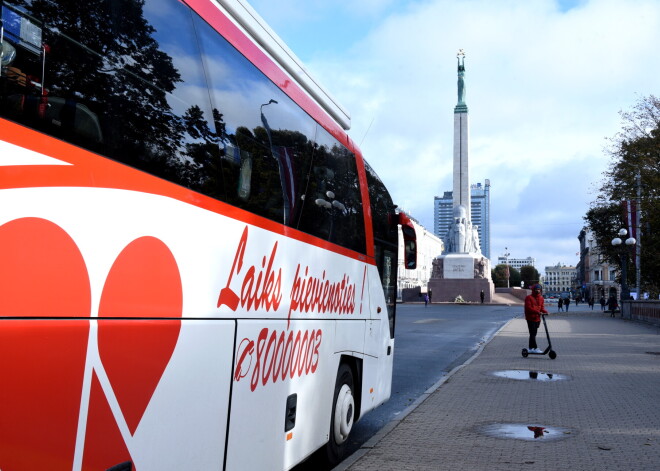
{"x": 560, "y": 279}
{"x": 517, "y": 263}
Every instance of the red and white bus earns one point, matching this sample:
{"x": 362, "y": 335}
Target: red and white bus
{"x": 197, "y": 267}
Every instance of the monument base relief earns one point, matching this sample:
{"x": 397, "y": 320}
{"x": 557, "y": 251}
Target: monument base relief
{"x": 461, "y": 274}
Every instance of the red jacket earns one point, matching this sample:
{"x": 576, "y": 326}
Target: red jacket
{"x": 534, "y": 306}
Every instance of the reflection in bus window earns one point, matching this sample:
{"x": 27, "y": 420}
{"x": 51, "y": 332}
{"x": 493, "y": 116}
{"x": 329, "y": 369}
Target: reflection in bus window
{"x": 187, "y": 107}
{"x": 266, "y": 138}
{"x": 333, "y": 204}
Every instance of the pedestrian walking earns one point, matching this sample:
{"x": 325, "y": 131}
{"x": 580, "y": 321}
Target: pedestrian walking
{"x": 602, "y": 303}
{"x": 426, "y": 300}
{"x": 534, "y": 307}
{"x": 591, "y": 302}
{"x": 482, "y": 295}
{"x": 577, "y": 298}
{"x": 612, "y": 305}
{"x": 567, "y": 303}
{"x": 560, "y": 303}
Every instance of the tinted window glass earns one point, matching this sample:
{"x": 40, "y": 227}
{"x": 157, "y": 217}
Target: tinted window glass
{"x": 104, "y": 79}
{"x": 152, "y": 85}
{"x": 266, "y": 139}
{"x": 381, "y": 208}
{"x": 333, "y": 204}
{"x": 385, "y": 240}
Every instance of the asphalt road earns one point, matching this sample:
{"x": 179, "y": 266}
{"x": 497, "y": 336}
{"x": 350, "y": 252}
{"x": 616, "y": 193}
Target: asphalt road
{"x": 430, "y": 342}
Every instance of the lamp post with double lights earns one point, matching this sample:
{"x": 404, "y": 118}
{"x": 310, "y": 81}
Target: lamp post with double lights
{"x": 619, "y": 244}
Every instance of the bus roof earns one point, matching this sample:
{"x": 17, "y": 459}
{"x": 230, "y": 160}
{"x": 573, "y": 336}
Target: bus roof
{"x": 241, "y": 13}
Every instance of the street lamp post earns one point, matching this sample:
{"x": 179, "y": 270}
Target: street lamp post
{"x": 506, "y": 262}
{"x": 617, "y": 242}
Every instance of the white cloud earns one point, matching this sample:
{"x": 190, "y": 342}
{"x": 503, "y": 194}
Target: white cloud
{"x": 544, "y": 88}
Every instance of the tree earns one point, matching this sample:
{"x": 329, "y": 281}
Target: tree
{"x": 500, "y": 278}
{"x": 635, "y": 150}
{"x": 604, "y": 220}
{"x": 529, "y": 275}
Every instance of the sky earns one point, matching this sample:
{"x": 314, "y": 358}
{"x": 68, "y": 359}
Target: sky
{"x": 545, "y": 82}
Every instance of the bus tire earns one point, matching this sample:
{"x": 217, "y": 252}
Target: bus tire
{"x": 342, "y": 415}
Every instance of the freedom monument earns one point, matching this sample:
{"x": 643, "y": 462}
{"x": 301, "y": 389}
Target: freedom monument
{"x": 462, "y": 270}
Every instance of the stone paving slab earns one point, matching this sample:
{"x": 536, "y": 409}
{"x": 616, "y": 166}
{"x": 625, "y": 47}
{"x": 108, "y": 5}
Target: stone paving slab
{"x": 607, "y": 413}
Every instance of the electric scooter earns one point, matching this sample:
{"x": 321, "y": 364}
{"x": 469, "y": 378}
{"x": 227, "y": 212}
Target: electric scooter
{"x": 549, "y": 351}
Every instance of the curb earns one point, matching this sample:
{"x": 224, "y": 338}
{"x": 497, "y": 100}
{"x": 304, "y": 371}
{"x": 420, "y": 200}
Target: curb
{"x": 383, "y": 432}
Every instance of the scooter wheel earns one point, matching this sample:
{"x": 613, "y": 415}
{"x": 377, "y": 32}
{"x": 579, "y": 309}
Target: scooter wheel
{"x": 552, "y": 354}
{"x": 525, "y": 353}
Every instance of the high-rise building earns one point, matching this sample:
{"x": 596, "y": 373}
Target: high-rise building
{"x": 480, "y": 202}
{"x": 442, "y": 213}
{"x": 480, "y": 210}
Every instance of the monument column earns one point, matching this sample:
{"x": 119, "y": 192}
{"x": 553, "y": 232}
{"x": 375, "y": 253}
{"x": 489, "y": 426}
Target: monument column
{"x": 462, "y": 273}
{"x": 461, "y": 188}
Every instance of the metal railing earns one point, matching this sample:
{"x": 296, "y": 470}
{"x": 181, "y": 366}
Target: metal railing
{"x": 644, "y": 310}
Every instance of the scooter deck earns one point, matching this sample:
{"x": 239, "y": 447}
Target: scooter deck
{"x": 548, "y": 351}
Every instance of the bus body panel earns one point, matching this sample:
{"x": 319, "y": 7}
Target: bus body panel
{"x": 247, "y": 269}
{"x": 72, "y": 400}
{"x": 126, "y": 234}
{"x": 185, "y": 422}
{"x": 379, "y": 349}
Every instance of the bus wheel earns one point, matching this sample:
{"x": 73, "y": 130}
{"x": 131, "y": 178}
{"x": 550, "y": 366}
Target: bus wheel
{"x": 343, "y": 411}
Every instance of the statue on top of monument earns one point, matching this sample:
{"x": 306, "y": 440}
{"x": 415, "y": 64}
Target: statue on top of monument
{"x": 462, "y": 236}
{"x": 461, "y": 74}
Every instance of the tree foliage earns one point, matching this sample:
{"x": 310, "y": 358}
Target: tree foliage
{"x": 604, "y": 220}
{"x": 635, "y": 150}
{"x": 499, "y": 275}
{"x": 529, "y": 275}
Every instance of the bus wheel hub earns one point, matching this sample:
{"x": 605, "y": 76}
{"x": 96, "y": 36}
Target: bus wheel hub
{"x": 344, "y": 414}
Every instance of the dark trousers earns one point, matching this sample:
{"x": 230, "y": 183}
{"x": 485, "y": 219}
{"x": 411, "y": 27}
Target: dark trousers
{"x": 533, "y": 327}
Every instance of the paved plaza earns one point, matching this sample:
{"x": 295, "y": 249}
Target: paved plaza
{"x": 595, "y": 407}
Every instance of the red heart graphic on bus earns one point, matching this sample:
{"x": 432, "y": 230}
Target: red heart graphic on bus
{"x": 42, "y": 361}
{"x": 143, "y": 283}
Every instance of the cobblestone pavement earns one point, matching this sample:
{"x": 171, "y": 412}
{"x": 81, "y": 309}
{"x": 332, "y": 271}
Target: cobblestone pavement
{"x": 604, "y": 416}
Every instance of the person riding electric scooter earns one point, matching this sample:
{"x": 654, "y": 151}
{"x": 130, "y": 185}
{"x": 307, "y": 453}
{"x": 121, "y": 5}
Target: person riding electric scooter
{"x": 534, "y": 307}
{"x": 534, "y": 312}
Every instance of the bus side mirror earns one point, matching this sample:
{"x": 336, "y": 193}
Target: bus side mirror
{"x": 409, "y": 240}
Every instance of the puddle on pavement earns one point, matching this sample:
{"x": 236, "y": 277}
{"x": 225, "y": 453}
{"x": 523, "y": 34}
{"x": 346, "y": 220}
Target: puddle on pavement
{"x": 525, "y": 432}
{"x": 529, "y": 375}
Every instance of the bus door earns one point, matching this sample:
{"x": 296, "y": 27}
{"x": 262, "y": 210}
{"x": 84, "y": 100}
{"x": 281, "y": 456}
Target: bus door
{"x": 279, "y": 403}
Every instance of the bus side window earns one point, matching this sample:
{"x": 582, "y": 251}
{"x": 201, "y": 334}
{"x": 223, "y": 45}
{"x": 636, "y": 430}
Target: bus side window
{"x": 120, "y": 92}
{"x": 333, "y": 203}
{"x": 22, "y": 94}
{"x": 265, "y": 138}
{"x": 31, "y": 93}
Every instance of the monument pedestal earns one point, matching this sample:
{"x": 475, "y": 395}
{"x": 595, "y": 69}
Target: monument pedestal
{"x": 461, "y": 274}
